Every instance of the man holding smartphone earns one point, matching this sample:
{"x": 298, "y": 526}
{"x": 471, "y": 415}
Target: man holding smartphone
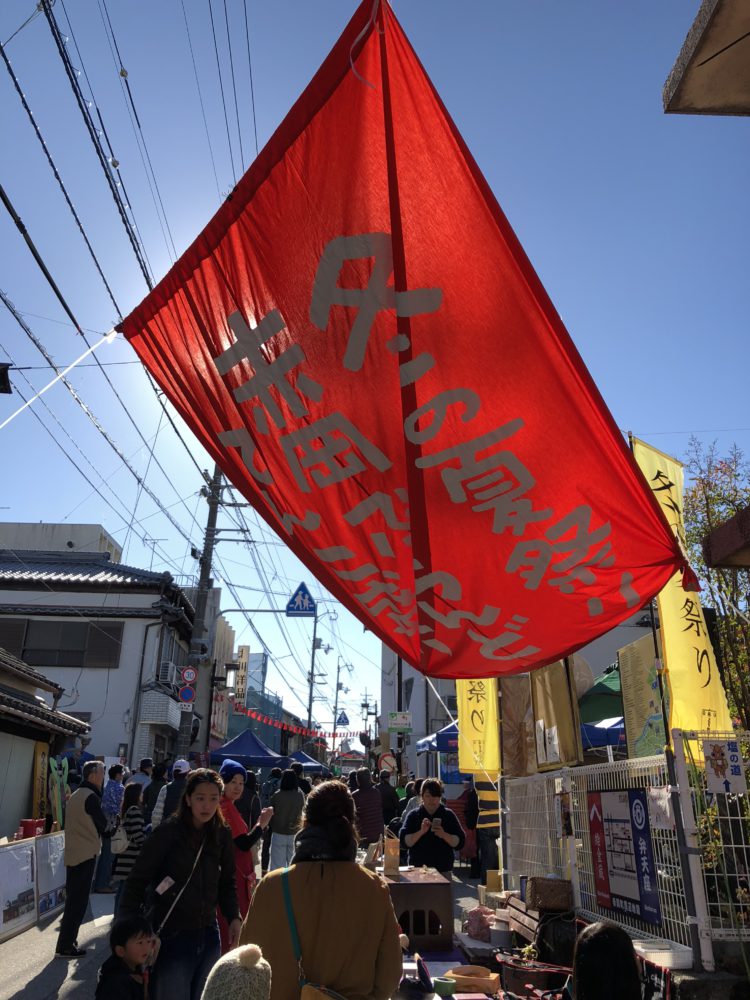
{"x": 432, "y": 833}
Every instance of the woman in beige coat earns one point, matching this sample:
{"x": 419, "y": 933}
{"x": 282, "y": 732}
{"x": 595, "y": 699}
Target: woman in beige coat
{"x": 347, "y": 929}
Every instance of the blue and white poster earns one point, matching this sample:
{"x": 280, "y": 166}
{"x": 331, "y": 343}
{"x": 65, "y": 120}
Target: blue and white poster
{"x": 631, "y": 871}
{"x": 644, "y": 855}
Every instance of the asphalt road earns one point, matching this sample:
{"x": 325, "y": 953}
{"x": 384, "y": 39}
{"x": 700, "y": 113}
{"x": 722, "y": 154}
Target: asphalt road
{"x": 29, "y": 969}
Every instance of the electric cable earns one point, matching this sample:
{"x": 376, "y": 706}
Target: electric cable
{"x": 54, "y": 169}
{"x": 234, "y": 86}
{"x": 74, "y": 393}
{"x": 221, "y": 87}
{"x": 129, "y": 228}
{"x": 200, "y": 99}
{"x": 250, "y": 67}
{"x": 135, "y": 122}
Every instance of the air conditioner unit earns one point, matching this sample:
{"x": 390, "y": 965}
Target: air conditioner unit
{"x": 169, "y": 673}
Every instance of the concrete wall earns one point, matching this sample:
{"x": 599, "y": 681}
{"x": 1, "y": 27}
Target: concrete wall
{"x": 58, "y": 538}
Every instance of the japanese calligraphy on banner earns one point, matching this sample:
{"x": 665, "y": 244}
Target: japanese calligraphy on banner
{"x": 725, "y": 769}
{"x": 478, "y": 726}
{"x": 360, "y": 342}
{"x": 696, "y": 694}
{"x": 623, "y": 853}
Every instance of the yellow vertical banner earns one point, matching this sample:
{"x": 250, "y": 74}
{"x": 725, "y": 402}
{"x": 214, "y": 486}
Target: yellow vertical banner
{"x": 478, "y": 726}
{"x": 696, "y": 695}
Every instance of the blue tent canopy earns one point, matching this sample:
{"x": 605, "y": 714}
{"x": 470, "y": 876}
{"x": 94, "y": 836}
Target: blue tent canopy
{"x": 250, "y": 751}
{"x": 444, "y": 741}
{"x": 612, "y": 735}
{"x": 308, "y": 763}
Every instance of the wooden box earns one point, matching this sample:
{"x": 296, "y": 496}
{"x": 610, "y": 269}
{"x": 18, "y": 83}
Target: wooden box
{"x": 474, "y": 978}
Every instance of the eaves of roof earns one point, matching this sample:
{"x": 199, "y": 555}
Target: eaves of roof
{"x": 12, "y": 665}
{"x": 41, "y": 716}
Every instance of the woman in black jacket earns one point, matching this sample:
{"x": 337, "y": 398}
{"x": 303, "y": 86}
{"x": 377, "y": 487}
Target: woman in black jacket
{"x": 187, "y": 868}
{"x": 431, "y": 833}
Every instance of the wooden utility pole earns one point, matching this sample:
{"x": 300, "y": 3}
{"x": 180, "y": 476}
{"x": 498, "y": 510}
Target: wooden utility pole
{"x": 197, "y": 657}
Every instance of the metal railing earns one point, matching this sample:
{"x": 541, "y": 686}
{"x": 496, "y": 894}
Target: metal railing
{"x": 721, "y": 826}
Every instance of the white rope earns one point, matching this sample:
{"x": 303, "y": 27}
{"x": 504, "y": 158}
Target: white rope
{"x": 358, "y": 39}
{"x": 495, "y": 784}
{"x": 106, "y": 339}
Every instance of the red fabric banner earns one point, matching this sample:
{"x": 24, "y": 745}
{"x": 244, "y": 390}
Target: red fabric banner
{"x": 360, "y": 342}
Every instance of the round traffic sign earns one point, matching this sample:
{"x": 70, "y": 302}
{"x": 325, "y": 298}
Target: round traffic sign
{"x": 189, "y": 674}
{"x": 387, "y": 762}
{"x": 186, "y": 693}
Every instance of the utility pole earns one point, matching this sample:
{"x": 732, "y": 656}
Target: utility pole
{"x": 399, "y": 708}
{"x": 197, "y": 655}
{"x": 312, "y": 671}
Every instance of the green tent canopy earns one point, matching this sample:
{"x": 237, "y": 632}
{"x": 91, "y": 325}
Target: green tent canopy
{"x": 604, "y": 699}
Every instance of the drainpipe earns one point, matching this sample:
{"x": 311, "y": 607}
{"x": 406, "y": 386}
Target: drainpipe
{"x": 137, "y": 705}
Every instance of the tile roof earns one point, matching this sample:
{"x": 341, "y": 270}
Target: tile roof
{"x": 40, "y": 715}
{"x": 20, "y": 669}
{"x": 31, "y": 567}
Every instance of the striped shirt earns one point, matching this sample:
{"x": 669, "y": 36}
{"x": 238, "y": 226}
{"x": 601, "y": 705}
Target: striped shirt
{"x": 133, "y": 823}
{"x": 489, "y": 803}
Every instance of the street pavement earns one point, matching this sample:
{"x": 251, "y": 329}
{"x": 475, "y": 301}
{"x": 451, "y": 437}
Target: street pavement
{"x": 29, "y": 969}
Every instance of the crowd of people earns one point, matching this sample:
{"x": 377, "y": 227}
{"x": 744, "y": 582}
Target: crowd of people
{"x": 181, "y": 854}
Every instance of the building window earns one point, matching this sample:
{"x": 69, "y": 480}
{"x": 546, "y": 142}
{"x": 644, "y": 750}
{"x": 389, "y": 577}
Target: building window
{"x": 72, "y": 644}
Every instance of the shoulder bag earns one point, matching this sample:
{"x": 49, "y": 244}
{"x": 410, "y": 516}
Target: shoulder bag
{"x": 308, "y": 990}
{"x": 119, "y": 841}
{"x": 176, "y": 900}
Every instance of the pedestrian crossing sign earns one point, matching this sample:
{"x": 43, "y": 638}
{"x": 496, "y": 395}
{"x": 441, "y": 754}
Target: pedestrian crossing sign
{"x": 343, "y": 719}
{"x": 301, "y": 604}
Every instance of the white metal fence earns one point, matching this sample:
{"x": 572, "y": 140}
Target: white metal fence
{"x": 645, "y": 772}
{"x": 534, "y": 845}
{"x": 721, "y": 828}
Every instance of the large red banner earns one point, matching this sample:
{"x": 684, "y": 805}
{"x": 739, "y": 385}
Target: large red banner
{"x": 358, "y": 339}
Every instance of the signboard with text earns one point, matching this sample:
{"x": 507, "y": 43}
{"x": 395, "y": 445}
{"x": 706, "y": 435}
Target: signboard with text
{"x": 399, "y": 722}
{"x": 623, "y": 855}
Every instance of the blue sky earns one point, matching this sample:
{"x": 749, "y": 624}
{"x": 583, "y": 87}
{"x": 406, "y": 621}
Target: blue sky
{"x": 636, "y": 222}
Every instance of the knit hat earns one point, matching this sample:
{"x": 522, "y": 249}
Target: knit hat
{"x": 231, "y": 767}
{"x": 241, "y": 974}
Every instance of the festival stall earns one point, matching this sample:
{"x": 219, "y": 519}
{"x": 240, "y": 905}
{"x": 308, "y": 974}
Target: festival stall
{"x": 250, "y": 751}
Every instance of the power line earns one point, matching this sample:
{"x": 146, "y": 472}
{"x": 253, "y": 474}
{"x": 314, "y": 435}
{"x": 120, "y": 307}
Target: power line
{"x": 250, "y": 67}
{"x": 70, "y": 72}
{"x": 37, "y": 256}
{"x": 200, "y": 98}
{"x": 51, "y": 162}
{"x": 71, "y": 389}
{"x": 137, "y": 129}
{"x": 234, "y": 85}
{"x": 221, "y": 87}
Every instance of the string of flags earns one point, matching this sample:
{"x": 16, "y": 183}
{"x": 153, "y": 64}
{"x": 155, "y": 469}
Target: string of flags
{"x": 299, "y": 730}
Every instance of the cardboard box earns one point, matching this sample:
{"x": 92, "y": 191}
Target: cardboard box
{"x": 494, "y": 880}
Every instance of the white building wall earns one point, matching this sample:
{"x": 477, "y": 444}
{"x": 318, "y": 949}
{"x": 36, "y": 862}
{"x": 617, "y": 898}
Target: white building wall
{"x": 108, "y": 695}
{"x": 419, "y": 699}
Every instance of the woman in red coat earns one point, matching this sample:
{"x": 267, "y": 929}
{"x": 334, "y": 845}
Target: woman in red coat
{"x": 234, "y": 777}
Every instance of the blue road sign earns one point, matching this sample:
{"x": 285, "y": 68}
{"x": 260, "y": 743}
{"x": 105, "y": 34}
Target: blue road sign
{"x": 186, "y": 693}
{"x": 301, "y": 604}
{"x": 343, "y": 719}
